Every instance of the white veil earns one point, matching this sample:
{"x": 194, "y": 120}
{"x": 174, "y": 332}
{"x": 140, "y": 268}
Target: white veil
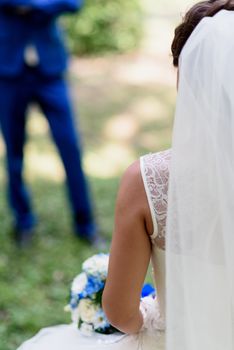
{"x": 200, "y": 227}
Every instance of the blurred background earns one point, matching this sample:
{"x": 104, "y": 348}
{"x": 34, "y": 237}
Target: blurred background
{"x": 122, "y": 80}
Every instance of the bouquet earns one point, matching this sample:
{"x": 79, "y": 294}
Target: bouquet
{"x": 86, "y": 296}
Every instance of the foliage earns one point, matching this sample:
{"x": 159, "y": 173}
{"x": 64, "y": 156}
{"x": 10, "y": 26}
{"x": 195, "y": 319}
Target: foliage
{"x": 104, "y": 26}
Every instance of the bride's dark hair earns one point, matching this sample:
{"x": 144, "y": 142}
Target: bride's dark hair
{"x": 191, "y": 20}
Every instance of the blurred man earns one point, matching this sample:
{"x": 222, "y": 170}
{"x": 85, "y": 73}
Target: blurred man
{"x": 32, "y": 65}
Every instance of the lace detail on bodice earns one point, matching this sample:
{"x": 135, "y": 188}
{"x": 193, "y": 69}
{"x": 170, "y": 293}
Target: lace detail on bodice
{"x": 155, "y": 173}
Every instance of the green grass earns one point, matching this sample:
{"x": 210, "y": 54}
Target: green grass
{"x": 120, "y": 119}
{"x": 34, "y": 283}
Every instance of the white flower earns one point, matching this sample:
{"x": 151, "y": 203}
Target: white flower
{"x": 100, "y": 320}
{"x": 86, "y": 329}
{"x": 79, "y": 283}
{"x": 87, "y": 310}
{"x": 97, "y": 266}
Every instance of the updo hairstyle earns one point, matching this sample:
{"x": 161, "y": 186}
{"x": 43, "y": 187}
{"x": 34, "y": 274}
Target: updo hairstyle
{"x": 191, "y": 20}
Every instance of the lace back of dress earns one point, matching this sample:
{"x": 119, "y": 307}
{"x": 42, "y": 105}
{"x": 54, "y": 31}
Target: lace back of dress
{"x": 155, "y": 173}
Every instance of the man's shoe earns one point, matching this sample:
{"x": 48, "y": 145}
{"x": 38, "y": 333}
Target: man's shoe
{"x": 23, "y": 237}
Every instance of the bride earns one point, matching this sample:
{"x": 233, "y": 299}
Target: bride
{"x": 198, "y": 210}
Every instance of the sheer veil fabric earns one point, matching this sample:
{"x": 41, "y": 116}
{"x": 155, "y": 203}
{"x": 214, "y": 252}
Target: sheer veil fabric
{"x": 200, "y": 224}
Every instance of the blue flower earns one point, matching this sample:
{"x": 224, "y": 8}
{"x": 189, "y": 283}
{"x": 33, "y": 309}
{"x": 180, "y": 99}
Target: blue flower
{"x": 74, "y": 299}
{"x": 93, "y": 286}
{"x": 147, "y": 290}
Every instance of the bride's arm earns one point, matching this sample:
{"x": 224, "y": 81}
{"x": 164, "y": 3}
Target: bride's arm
{"x": 130, "y": 254}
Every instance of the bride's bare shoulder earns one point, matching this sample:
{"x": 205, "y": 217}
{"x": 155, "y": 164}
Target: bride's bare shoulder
{"x": 131, "y": 186}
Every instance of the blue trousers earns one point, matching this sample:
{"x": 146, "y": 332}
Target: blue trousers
{"x": 51, "y": 94}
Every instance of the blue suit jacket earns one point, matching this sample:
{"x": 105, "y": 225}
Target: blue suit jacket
{"x": 37, "y": 27}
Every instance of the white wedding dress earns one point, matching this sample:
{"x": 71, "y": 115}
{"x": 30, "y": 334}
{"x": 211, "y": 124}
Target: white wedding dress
{"x": 155, "y": 174}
